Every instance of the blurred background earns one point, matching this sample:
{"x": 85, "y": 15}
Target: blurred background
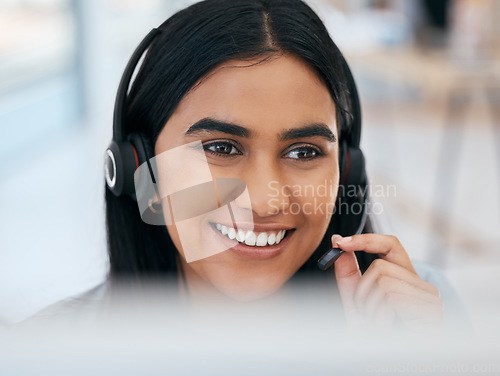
{"x": 428, "y": 72}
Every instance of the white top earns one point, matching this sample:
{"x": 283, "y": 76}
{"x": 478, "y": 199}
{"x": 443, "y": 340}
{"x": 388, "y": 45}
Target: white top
{"x": 90, "y": 304}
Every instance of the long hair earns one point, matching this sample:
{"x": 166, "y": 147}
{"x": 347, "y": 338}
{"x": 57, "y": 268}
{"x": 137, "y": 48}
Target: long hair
{"x": 191, "y": 43}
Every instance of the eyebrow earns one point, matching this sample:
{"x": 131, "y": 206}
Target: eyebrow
{"x": 312, "y": 130}
{"x": 212, "y": 125}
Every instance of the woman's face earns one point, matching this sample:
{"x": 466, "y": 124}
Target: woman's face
{"x": 273, "y": 126}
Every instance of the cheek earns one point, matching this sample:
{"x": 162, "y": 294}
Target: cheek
{"x": 313, "y": 204}
{"x": 316, "y": 198}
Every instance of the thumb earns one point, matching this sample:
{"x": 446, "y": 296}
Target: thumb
{"x": 348, "y": 276}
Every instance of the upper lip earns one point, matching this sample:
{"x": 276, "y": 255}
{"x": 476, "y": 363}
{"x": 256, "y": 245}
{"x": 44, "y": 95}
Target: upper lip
{"x": 258, "y": 227}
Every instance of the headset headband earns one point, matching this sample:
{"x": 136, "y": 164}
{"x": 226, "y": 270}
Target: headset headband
{"x": 121, "y": 97}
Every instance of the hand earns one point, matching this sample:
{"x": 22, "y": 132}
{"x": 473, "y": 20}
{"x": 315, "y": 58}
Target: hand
{"x": 390, "y": 291}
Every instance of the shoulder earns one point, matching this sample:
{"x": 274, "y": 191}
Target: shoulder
{"x": 86, "y": 305}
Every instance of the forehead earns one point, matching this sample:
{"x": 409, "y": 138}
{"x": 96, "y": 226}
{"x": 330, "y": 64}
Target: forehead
{"x": 277, "y": 93}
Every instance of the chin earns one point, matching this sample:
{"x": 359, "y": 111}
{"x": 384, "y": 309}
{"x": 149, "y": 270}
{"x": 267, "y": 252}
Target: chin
{"x": 251, "y": 289}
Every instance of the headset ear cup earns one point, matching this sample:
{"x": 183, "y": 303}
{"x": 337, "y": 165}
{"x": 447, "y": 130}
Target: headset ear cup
{"x": 356, "y": 174}
{"x": 352, "y": 187}
{"x": 145, "y": 180}
{"x": 342, "y": 163}
{"x": 122, "y": 160}
{"x": 119, "y": 167}
{"x": 143, "y": 147}
{"x": 355, "y": 181}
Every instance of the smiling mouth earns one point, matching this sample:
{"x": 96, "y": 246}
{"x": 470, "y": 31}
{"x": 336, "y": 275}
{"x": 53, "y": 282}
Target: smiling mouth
{"x": 251, "y": 238}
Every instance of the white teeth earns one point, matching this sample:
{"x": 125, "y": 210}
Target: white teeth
{"x": 240, "y": 236}
{"x": 262, "y": 239}
{"x": 250, "y": 238}
{"x": 280, "y": 236}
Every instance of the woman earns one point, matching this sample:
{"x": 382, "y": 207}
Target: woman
{"x": 265, "y": 92}
{"x": 254, "y": 92}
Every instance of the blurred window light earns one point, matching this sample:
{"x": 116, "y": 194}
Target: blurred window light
{"x": 39, "y": 77}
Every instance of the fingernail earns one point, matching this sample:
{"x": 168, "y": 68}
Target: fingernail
{"x": 345, "y": 240}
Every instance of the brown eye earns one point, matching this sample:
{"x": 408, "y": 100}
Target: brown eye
{"x": 303, "y": 153}
{"x": 223, "y": 149}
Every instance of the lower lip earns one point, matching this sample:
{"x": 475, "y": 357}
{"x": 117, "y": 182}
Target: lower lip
{"x": 254, "y": 252}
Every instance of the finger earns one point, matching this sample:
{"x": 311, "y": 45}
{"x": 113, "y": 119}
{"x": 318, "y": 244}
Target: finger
{"x": 388, "y": 276}
{"x": 384, "y": 287}
{"x": 347, "y": 270}
{"x": 348, "y": 275}
{"x": 384, "y": 315}
{"x": 387, "y": 246}
{"x": 413, "y": 312}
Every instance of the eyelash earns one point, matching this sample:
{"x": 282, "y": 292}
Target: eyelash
{"x": 296, "y": 147}
{"x": 222, "y": 155}
{"x": 308, "y": 148}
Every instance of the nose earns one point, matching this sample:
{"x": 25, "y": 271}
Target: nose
{"x": 269, "y": 194}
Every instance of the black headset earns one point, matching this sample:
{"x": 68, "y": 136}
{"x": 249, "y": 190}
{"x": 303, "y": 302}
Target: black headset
{"x": 127, "y": 152}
